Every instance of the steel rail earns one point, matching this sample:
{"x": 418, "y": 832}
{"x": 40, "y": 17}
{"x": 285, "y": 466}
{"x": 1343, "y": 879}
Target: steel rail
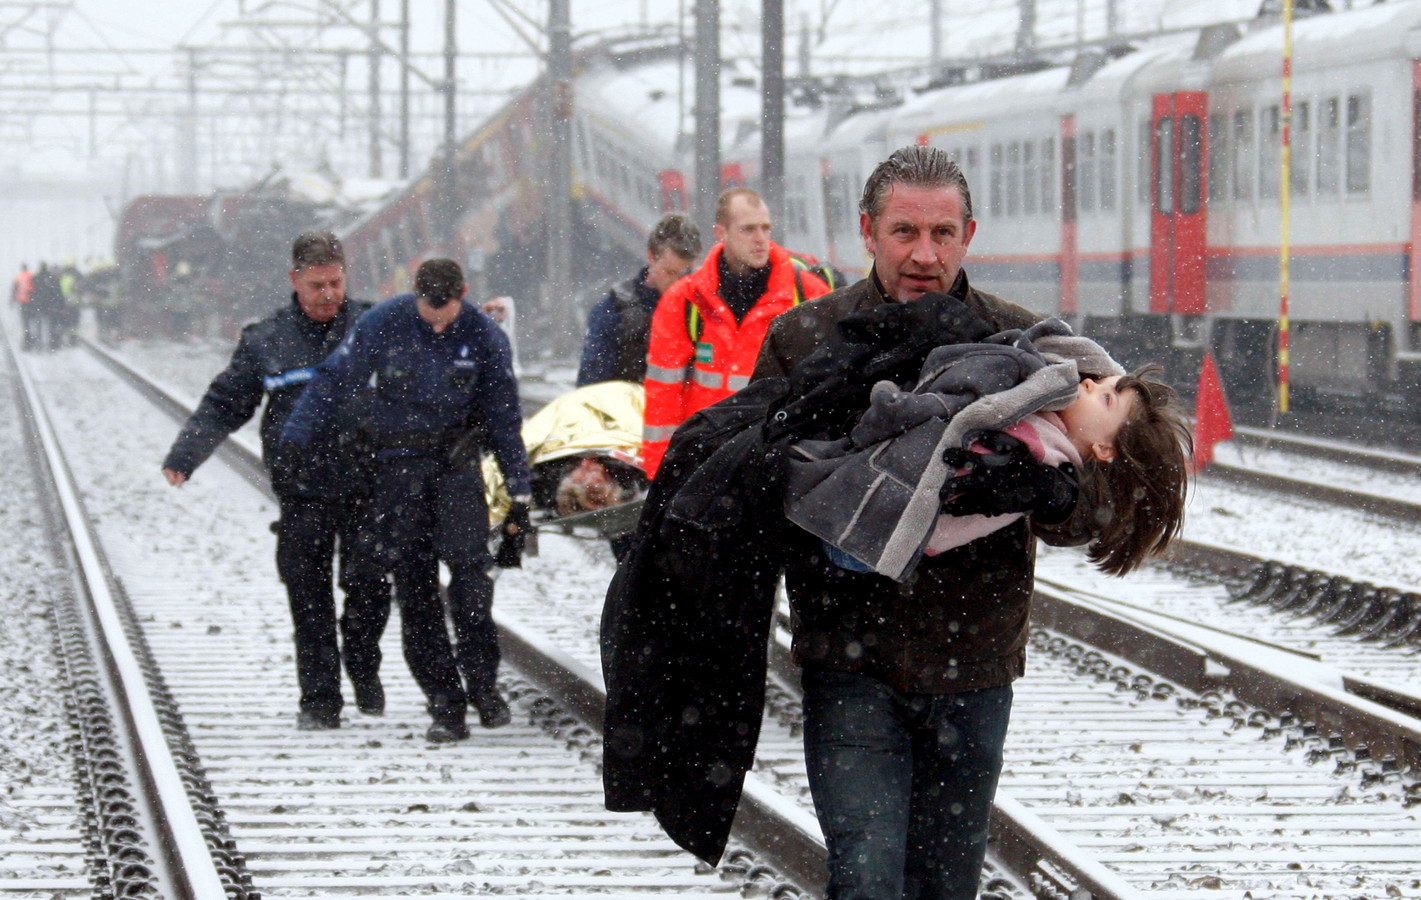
{"x": 1203, "y": 659}
{"x": 188, "y": 869}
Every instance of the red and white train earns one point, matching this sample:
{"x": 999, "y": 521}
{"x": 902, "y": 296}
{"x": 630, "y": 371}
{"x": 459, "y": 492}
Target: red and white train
{"x": 1138, "y": 192}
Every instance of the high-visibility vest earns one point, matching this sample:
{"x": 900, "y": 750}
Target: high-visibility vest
{"x": 699, "y": 354}
{"x": 24, "y": 287}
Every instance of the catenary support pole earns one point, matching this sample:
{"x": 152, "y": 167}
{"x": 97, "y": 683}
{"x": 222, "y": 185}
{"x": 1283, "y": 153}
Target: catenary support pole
{"x": 772, "y": 143}
{"x": 707, "y": 150}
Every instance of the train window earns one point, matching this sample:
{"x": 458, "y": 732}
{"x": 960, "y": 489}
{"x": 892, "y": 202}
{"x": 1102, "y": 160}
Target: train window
{"x": 1301, "y": 138}
{"x": 1107, "y": 169}
{"x": 1328, "y": 161}
{"x": 1190, "y": 150}
{"x": 1270, "y": 128}
{"x": 1164, "y": 167}
{"x": 994, "y": 191}
{"x": 1048, "y": 175}
{"x": 1245, "y": 164}
{"x": 1086, "y": 172}
{"x": 1014, "y": 178}
{"x": 1359, "y": 143}
{"x": 1218, "y": 158}
{"x": 1142, "y": 163}
{"x": 973, "y": 165}
{"x": 1030, "y": 180}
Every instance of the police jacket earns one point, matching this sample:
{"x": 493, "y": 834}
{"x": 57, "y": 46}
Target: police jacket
{"x": 427, "y": 386}
{"x": 618, "y": 332}
{"x": 276, "y": 357}
{"x": 687, "y": 371}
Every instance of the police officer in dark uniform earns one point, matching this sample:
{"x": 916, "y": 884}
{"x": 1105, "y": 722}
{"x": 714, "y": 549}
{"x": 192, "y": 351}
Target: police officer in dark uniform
{"x": 444, "y": 389}
{"x": 324, "y": 504}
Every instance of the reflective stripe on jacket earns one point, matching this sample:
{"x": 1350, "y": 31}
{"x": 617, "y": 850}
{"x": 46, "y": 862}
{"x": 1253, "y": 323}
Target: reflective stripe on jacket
{"x": 683, "y": 377}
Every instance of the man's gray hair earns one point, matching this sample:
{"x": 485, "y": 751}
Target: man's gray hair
{"x": 920, "y": 166}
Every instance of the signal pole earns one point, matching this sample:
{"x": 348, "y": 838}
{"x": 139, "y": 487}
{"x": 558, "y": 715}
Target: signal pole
{"x": 707, "y": 149}
{"x": 772, "y": 142}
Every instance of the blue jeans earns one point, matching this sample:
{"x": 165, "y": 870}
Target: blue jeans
{"x": 902, "y": 784}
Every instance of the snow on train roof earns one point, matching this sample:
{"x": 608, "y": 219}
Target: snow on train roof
{"x": 1386, "y": 30}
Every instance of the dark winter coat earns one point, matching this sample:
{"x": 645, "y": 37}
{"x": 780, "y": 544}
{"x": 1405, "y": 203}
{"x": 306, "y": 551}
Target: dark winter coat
{"x": 687, "y": 617}
{"x": 618, "y": 334}
{"x": 276, "y": 357}
{"x": 428, "y": 386}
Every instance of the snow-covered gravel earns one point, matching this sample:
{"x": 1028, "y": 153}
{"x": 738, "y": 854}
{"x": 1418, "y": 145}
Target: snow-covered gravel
{"x": 36, "y": 769}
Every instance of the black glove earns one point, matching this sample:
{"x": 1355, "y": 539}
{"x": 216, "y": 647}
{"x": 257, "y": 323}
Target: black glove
{"x": 516, "y": 528}
{"x": 286, "y": 468}
{"x": 1007, "y": 479}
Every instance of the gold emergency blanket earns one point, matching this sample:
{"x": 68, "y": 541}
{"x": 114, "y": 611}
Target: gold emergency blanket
{"x": 602, "y": 419}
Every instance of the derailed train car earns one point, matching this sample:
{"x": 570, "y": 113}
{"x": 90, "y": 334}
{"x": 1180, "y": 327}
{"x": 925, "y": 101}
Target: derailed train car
{"x": 203, "y": 265}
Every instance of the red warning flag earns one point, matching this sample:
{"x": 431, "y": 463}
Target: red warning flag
{"x": 1212, "y": 422}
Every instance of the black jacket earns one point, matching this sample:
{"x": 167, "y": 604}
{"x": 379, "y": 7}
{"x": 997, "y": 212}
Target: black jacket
{"x": 687, "y": 617}
{"x": 276, "y": 357}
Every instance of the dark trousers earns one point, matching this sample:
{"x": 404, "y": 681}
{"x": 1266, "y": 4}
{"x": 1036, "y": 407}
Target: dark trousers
{"x": 307, "y": 536}
{"x": 428, "y": 512}
{"x": 31, "y": 324}
{"x": 902, "y": 784}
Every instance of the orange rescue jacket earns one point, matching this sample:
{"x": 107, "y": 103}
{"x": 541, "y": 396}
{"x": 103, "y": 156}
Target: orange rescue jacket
{"x": 686, "y": 373}
{"x": 24, "y": 288}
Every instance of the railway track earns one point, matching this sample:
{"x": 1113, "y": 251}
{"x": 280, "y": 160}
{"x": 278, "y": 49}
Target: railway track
{"x": 369, "y": 808}
{"x": 1148, "y": 764}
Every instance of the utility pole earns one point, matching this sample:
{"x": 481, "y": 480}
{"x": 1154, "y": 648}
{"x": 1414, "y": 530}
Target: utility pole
{"x": 1026, "y": 32}
{"x": 187, "y": 166}
{"x": 772, "y": 134}
{"x": 376, "y": 162}
{"x": 707, "y": 148}
{"x": 451, "y": 202}
{"x": 559, "y": 269}
{"x": 935, "y": 32}
{"x": 404, "y": 89}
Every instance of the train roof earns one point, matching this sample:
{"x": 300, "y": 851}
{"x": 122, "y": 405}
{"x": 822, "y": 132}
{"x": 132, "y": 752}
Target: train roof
{"x": 1386, "y": 30}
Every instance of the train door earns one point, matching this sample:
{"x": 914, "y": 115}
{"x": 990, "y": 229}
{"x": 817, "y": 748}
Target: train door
{"x": 1178, "y": 214}
{"x": 1070, "y": 253}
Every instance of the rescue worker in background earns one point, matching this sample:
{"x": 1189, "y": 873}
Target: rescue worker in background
{"x": 328, "y": 503}
{"x": 707, "y": 329}
{"x": 48, "y": 306}
{"x": 619, "y": 326}
{"x": 444, "y": 389}
{"x": 22, "y": 294}
{"x": 67, "y": 315}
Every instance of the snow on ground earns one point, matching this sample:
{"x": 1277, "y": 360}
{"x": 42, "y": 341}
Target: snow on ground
{"x": 34, "y": 761}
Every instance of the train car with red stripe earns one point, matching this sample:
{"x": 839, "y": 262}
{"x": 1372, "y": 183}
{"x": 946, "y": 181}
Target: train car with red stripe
{"x": 1138, "y": 193}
